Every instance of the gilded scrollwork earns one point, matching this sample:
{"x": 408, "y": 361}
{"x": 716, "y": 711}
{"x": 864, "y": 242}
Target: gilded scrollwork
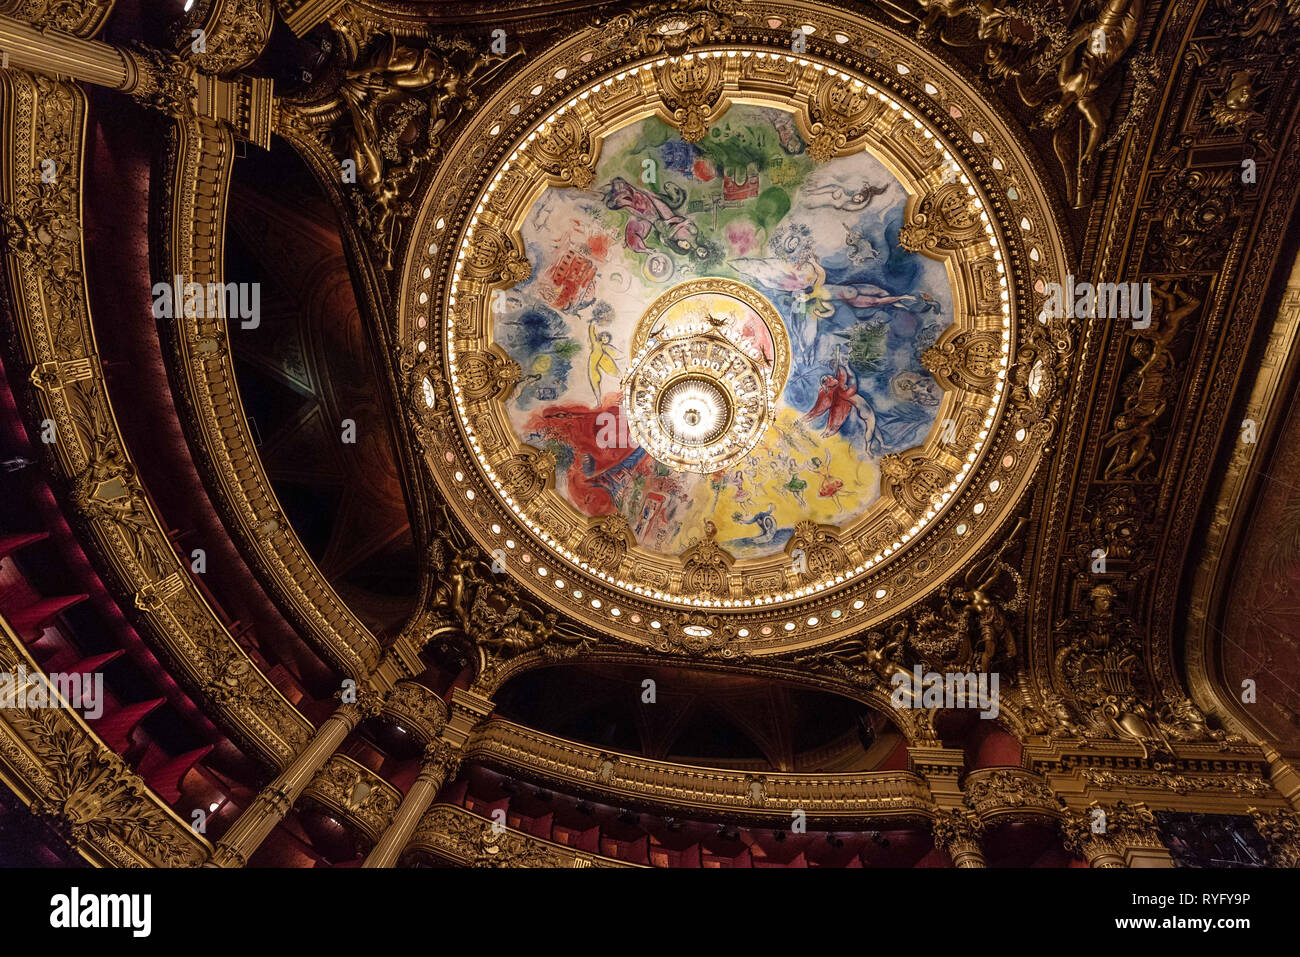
{"x": 838, "y": 115}
{"x": 690, "y": 91}
{"x": 355, "y": 793}
{"x": 81, "y": 18}
{"x": 567, "y": 152}
{"x": 1281, "y": 829}
{"x": 606, "y": 542}
{"x": 818, "y": 550}
{"x": 671, "y": 27}
{"x": 968, "y": 360}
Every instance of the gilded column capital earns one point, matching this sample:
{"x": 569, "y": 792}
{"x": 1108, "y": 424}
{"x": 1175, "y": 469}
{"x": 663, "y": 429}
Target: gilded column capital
{"x": 959, "y": 831}
{"x": 1009, "y": 793}
{"x": 1282, "y": 831}
{"x": 161, "y": 80}
{"x": 441, "y": 761}
{"x": 367, "y": 704}
{"x": 1103, "y": 835}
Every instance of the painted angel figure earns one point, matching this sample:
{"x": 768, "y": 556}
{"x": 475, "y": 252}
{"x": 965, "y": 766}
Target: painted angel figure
{"x": 838, "y": 398}
{"x": 813, "y": 296}
{"x": 656, "y": 214}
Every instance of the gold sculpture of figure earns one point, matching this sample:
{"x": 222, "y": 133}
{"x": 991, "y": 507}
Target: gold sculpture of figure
{"x": 1147, "y": 403}
{"x": 1179, "y": 718}
{"x": 376, "y": 81}
{"x": 982, "y": 609}
{"x": 1092, "y": 50}
{"x": 1132, "y": 445}
{"x": 520, "y": 631}
{"x": 462, "y": 577}
{"x": 602, "y": 357}
{"x": 1236, "y": 106}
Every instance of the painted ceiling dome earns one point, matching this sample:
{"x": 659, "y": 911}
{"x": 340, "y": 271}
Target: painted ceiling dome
{"x": 743, "y": 214}
{"x": 735, "y": 329}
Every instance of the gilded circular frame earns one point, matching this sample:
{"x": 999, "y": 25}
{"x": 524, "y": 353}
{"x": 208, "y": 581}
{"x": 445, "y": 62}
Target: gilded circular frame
{"x": 538, "y": 131}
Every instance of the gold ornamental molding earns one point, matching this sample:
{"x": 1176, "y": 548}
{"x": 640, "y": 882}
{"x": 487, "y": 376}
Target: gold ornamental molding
{"x": 72, "y": 781}
{"x": 698, "y": 791}
{"x": 1266, "y": 406}
{"x": 45, "y": 119}
{"x": 1151, "y": 407}
{"x": 356, "y": 794}
{"x": 417, "y": 709}
{"x": 453, "y": 834}
{"x": 198, "y": 192}
{"x": 977, "y": 203}
{"x": 234, "y": 33}
{"x": 80, "y": 18}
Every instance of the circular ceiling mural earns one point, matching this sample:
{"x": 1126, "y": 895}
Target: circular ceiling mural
{"x": 727, "y": 329}
{"x": 814, "y": 247}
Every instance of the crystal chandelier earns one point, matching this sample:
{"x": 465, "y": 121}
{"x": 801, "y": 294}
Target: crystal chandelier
{"x": 698, "y": 397}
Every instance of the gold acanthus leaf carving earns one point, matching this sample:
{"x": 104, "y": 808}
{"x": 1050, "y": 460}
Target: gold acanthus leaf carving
{"x": 90, "y": 794}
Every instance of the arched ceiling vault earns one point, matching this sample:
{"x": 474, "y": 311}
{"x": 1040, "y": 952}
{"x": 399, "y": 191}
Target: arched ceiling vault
{"x": 713, "y": 341}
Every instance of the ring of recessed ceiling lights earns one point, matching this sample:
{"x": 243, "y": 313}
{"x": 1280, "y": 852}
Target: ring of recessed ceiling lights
{"x": 990, "y": 166}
